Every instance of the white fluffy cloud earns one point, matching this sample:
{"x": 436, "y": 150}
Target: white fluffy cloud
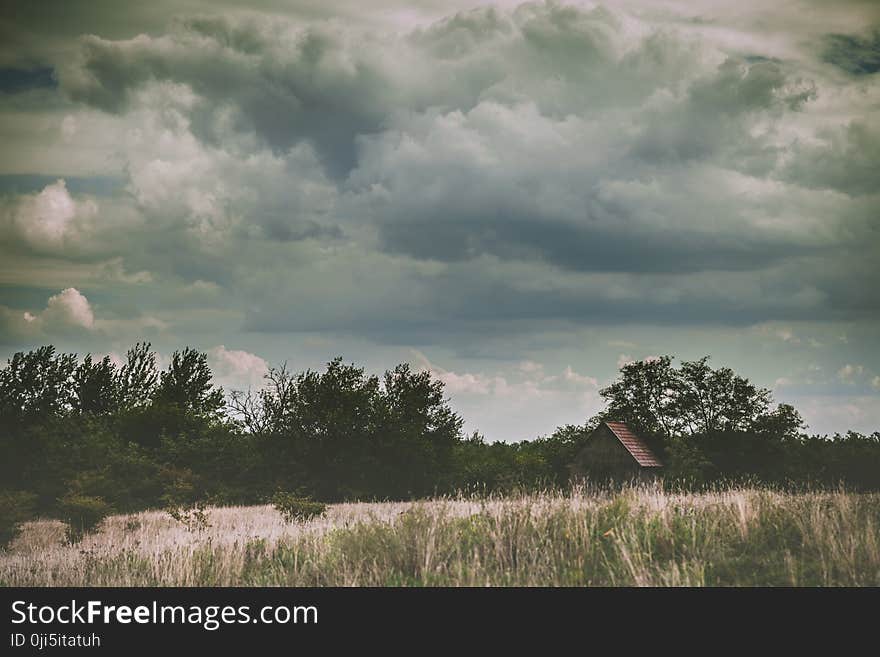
{"x": 237, "y": 369}
{"x": 68, "y": 308}
{"x": 46, "y": 218}
{"x": 69, "y": 316}
{"x": 515, "y": 401}
{"x": 66, "y": 314}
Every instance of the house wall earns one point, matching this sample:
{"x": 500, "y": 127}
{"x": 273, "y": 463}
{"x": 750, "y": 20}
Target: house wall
{"x": 604, "y": 457}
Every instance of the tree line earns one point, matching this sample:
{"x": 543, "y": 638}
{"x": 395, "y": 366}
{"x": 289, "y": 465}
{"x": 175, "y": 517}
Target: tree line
{"x": 81, "y": 436}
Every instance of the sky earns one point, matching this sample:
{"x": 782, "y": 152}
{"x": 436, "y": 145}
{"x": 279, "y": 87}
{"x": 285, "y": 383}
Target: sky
{"x": 518, "y": 197}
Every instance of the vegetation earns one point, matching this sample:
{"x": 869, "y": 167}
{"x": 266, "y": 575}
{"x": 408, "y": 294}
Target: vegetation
{"x": 297, "y": 509}
{"x": 82, "y": 513}
{"x": 83, "y": 437}
{"x": 16, "y": 507}
{"x": 630, "y": 537}
{"x": 194, "y": 517}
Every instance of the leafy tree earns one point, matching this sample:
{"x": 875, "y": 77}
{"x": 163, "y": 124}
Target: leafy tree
{"x": 333, "y": 419}
{"x": 183, "y": 402}
{"x": 36, "y": 384}
{"x": 658, "y": 399}
{"x": 136, "y": 380}
{"x": 708, "y": 400}
{"x": 644, "y": 396}
{"x": 416, "y": 435}
{"x": 187, "y": 384}
{"x": 95, "y": 387}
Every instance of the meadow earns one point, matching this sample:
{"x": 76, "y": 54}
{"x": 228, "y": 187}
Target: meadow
{"x": 640, "y": 536}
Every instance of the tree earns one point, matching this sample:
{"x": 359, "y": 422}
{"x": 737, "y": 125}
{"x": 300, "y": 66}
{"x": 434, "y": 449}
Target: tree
{"x": 694, "y": 399}
{"x": 645, "y": 397}
{"x": 709, "y": 401}
{"x": 417, "y": 434}
{"x": 95, "y": 387}
{"x": 136, "y": 380}
{"x": 36, "y": 384}
{"x": 706, "y": 423}
{"x": 187, "y": 385}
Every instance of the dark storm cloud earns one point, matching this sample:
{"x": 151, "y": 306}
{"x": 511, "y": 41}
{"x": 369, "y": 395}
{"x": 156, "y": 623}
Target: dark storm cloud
{"x": 847, "y": 160}
{"x": 15, "y": 80}
{"x": 547, "y": 181}
{"x": 463, "y": 303}
{"x": 583, "y": 247}
{"x": 854, "y": 54}
{"x": 547, "y": 161}
{"x": 303, "y": 92}
{"x": 283, "y": 230}
{"x": 719, "y": 110}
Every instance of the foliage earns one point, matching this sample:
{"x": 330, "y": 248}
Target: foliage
{"x": 638, "y": 536}
{"x": 16, "y": 507}
{"x": 658, "y": 399}
{"x": 135, "y": 437}
{"x": 82, "y": 513}
{"x": 294, "y": 508}
{"x": 36, "y": 384}
{"x": 194, "y": 517}
{"x": 187, "y": 384}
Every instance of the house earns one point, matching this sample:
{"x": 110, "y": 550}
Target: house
{"x": 613, "y": 451}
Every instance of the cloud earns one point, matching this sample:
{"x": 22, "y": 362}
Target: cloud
{"x": 237, "y": 369}
{"x": 852, "y": 53}
{"x": 845, "y": 158}
{"x": 285, "y": 84}
{"x": 579, "y": 379}
{"x": 67, "y": 313}
{"x": 588, "y": 165}
{"x": 537, "y": 183}
{"x": 528, "y": 379}
{"x": 849, "y": 373}
{"x": 69, "y": 307}
{"x": 512, "y": 401}
{"x": 44, "y": 220}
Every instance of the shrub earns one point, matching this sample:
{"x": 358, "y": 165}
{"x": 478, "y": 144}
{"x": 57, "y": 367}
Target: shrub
{"x": 193, "y": 516}
{"x": 82, "y": 513}
{"x": 297, "y": 509}
{"x": 16, "y": 507}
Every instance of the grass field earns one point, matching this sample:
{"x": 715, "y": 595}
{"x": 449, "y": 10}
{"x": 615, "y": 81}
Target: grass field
{"x": 637, "y": 537}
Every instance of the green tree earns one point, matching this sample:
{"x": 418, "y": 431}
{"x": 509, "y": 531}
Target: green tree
{"x": 645, "y": 396}
{"x": 416, "y": 434}
{"x": 137, "y": 378}
{"x": 187, "y": 384}
{"x": 658, "y": 399}
{"x": 95, "y": 386}
{"x": 36, "y": 384}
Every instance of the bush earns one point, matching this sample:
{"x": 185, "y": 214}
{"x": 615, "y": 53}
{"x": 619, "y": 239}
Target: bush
{"x": 193, "y": 516}
{"x": 16, "y": 507}
{"x": 82, "y": 513}
{"x": 297, "y": 509}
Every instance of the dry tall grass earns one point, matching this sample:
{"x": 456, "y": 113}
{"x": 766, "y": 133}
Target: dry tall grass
{"x": 637, "y": 537}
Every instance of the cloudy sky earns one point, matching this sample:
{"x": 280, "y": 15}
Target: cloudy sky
{"x": 520, "y": 197}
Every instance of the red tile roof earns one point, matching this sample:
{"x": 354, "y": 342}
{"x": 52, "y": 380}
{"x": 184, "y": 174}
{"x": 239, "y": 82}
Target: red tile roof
{"x": 634, "y": 445}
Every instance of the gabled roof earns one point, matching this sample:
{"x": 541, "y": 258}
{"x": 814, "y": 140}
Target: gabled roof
{"x": 634, "y": 445}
